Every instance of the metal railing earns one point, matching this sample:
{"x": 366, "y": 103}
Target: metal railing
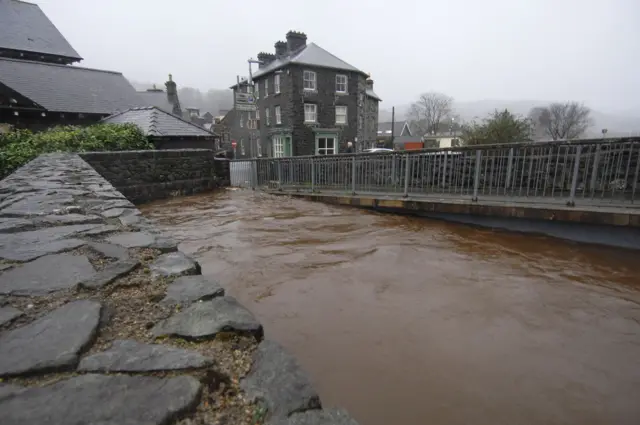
{"x": 595, "y": 172}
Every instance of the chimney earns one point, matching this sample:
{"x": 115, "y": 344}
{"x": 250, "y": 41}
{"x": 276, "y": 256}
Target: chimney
{"x": 369, "y": 83}
{"x": 172, "y": 96}
{"x": 265, "y": 59}
{"x": 296, "y": 40}
{"x": 281, "y": 49}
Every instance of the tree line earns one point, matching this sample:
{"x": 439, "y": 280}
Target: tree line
{"x": 434, "y": 113}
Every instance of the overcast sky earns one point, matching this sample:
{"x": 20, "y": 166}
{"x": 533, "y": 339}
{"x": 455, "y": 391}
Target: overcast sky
{"x": 585, "y": 50}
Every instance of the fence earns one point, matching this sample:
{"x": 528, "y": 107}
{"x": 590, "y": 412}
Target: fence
{"x": 595, "y": 172}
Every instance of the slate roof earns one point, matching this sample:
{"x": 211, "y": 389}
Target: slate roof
{"x": 156, "y": 98}
{"x": 384, "y": 129}
{"x": 24, "y": 26}
{"x": 313, "y": 55}
{"x": 153, "y": 121}
{"x": 65, "y": 88}
{"x": 373, "y": 94}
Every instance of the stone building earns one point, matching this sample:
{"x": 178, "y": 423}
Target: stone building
{"x": 309, "y": 102}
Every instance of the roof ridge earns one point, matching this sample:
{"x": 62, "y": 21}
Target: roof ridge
{"x": 153, "y": 121}
{"x": 330, "y": 54}
{"x": 106, "y": 71}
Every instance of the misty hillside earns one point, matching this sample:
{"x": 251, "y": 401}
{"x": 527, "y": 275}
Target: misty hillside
{"x": 213, "y": 100}
{"x": 617, "y": 125}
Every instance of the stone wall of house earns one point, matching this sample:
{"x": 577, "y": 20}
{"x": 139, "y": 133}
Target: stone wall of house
{"x": 143, "y": 176}
{"x": 96, "y": 305}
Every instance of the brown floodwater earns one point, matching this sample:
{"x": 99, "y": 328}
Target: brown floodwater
{"x": 413, "y": 321}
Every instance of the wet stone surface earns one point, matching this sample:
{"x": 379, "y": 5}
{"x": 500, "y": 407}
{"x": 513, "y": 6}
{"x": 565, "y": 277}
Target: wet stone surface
{"x": 174, "y": 264}
{"x": 105, "y": 400}
{"x": 188, "y": 289}
{"x": 208, "y": 318}
{"x": 319, "y": 417}
{"x": 277, "y": 380}
{"x": 46, "y": 274}
{"x": 7, "y": 314}
{"x": 89, "y": 286}
{"x": 132, "y": 356}
{"x": 51, "y": 342}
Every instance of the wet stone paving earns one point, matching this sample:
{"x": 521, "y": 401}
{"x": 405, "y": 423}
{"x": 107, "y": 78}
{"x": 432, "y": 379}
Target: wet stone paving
{"x": 103, "y": 320}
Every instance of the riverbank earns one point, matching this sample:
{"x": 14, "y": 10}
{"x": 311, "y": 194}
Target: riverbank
{"x": 102, "y": 319}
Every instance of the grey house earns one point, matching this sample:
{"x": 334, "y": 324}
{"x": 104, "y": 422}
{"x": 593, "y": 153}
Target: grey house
{"x": 309, "y": 102}
{"x": 165, "y": 130}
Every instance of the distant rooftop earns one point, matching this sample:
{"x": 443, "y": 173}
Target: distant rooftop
{"x": 155, "y": 122}
{"x": 25, "y": 27}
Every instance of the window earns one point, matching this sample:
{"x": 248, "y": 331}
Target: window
{"x": 257, "y": 113}
{"x": 326, "y": 145}
{"x": 360, "y": 122}
{"x": 281, "y": 146}
{"x": 278, "y": 115}
{"x": 241, "y": 120}
{"x": 258, "y": 147}
{"x": 341, "y": 114}
{"x": 266, "y": 87}
{"x": 266, "y": 116}
{"x": 276, "y": 83}
{"x": 341, "y": 83}
{"x": 309, "y": 80}
{"x": 310, "y": 112}
{"x": 257, "y": 92}
{"x": 242, "y": 146}
{"x": 278, "y": 146}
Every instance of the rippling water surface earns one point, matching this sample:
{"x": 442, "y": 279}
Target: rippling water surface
{"x": 411, "y": 321}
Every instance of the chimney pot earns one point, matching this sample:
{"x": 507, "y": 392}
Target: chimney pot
{"x": 281, "y": 49}
{"x": 296, "y": 40}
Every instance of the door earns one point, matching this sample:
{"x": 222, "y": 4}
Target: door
{"x": 288, "y": 150}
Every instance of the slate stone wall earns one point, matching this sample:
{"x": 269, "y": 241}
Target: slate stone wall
{"x": 143, "y": 176}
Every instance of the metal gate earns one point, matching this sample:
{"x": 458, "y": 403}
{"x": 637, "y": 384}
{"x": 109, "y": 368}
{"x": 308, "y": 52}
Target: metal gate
{"x": 241, "y": 172}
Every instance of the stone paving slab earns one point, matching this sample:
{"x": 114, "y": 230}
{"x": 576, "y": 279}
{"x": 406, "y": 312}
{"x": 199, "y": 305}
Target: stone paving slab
{"x": 102, "y": 400}
{"x": 132, "y": 239}
{"x": 208, "y": 318}
{"x": 277, "y": 380}
{"x": 51, "y": 342}
{"x": 47, "y": 274}
{"x": 186, "y": 290}
{"x": 174, "y": 264}
{"x": 110, "y": 273}
{"x": 8, "y": 314}
{"x": 32, "y": 251}
{"x": 133, "y": 356}
{"x": 8, "y": 390}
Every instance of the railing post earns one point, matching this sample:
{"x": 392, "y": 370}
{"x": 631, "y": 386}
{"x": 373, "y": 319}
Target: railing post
{"x": 394, "y": 180}
{"x": 406, "y": 175}
{"x": 313, "y": 176}
{"x": 594, "y": 169}
{"x": 279, "y": 165}
{"x": 574, "y": 179}
{"x": 476, "y": 177}
{"x": 444, "y": 170}
{"x": 509, "y": 169}
{"x": 254, "y": 175}
{"x": 353, "y": 175}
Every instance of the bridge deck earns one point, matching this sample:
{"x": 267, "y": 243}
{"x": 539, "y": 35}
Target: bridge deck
{"x": 586, "y": 210}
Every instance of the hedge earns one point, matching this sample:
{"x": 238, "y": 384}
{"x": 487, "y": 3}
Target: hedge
{"x": 21, "y": 146}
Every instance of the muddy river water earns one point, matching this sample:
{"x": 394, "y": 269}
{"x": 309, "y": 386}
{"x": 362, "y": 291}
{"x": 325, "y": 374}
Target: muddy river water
{"x": 409, "y": 321}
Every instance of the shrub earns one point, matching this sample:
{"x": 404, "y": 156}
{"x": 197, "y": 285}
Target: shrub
{"x": 21, "y": 146}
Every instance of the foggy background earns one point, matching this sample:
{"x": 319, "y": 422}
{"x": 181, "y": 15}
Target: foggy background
{"x": 513, "y": 54}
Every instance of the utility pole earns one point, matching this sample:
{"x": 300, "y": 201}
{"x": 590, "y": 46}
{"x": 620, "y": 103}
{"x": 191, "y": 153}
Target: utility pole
{"x": 393, "y": 124}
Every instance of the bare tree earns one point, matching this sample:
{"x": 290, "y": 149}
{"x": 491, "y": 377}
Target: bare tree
{"x": 429, "y": 111}
{"x": 557, "y": 121}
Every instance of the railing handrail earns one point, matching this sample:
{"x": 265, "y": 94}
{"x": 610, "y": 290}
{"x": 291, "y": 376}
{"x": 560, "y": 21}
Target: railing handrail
{"x": 607, "y": 141}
